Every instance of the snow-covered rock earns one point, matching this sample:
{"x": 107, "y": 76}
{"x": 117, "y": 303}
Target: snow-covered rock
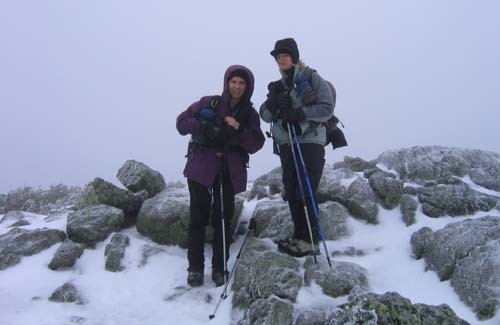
{"x": 137, "y": 176}
{"x": 115, "y": 251}
{"x": 94, "y": 224}
{"x": 21, "y": 242}
{"x": 66, "y": 255}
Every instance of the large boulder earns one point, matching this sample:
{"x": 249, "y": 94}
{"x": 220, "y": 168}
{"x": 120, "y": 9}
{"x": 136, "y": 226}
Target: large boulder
{"x": 165, "y": 217}
{"x": 454, "y": 200}
{"x": 101, "y": 192}
{"x": 391, "y": 308}
{"x": 267, "y": 311}
{"x": 443, "y": 248}
{"x": 267, "y": 185}
{"x": 467, "y": 252}
{"x": 66, "y": 255}
{"x": 21, "y": 242}
{"x": 389, "y": 190}
{"x": 423, "y": 163}
{"x": 137, "y": 176}
{"x": 115, "y": 251}
{"x": 362, "y": 201}
{"x": 342, "y": 279}
{"x": 476, "y": 279}
{"x": 94, "y": 224}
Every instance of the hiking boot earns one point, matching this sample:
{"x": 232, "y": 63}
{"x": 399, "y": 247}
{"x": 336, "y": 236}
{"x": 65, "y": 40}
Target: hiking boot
{"x": 195, "y": 279}
{"x": 218, "y": 277}
{"x": 297, "y": 247}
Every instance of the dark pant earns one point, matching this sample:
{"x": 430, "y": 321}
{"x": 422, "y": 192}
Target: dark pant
{"x": 314, "y": 159}
{"x": 205, "y": 206}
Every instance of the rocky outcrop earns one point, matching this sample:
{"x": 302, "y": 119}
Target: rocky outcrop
{"x": 136, "y": 176}
{"x": 94, "y": 224}
{"x": 391, "y": 308}
{"x": 333, "y": 185}
{"x": 421, "y": 164}
{"x": 466, "y": 252}
{"x": 454, "y": 200}
{"x": 21, "y": 242}
{"x": 101, "y": 192}
{"x": 115, "y": 251}
{"x": 66, "y": 255}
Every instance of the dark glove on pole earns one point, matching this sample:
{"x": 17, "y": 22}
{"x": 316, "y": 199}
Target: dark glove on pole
{"x": 292, "y": 115}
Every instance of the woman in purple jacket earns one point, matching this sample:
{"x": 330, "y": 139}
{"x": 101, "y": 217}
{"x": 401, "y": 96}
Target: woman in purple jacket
{"x": 224, "y": 131}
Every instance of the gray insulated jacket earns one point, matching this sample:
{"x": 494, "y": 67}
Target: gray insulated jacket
{"x": 313, "y": 129}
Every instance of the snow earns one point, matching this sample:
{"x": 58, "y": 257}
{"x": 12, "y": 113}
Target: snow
{"x": 156, "y": 293}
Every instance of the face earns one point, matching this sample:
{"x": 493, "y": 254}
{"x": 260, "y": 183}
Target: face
{"x": 284, "y": 61}
{"x": 237, "y": 86}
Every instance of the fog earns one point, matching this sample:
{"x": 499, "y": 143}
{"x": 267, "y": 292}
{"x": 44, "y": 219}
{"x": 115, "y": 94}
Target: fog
{"x": 87, "y": 85}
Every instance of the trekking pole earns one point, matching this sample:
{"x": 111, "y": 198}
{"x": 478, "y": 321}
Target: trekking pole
{"x": 223, "y": 295}
{"x": 302, "y": 195}
{"x": 311, "y": 193}
{"x": 221, "y": 193}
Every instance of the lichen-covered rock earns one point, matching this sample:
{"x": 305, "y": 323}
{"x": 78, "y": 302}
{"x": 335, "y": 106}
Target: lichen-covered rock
{"x": 267, "y": 185}
{"x": 137, "y": 176}
{"x": 66, "y": 255}
{"x": 94, "y": 224}
{"x": 101, "y": 192}
{"x": 165, "y": 217}
{"x": 476, "y": 279}
{"x": 342, "y": 279}
{"x": 454, "y": 200}
{"x": 21, "y": 242}
{"x": 67, "y": 293}
{"x": 391, "y": 308}
{"x": 267, "y": 311}
{"x": 262, "y": 272}
{"x": 388, "y": 189}
{"x": 408, "y": 209}
{"x": 423, "y": 163}
{"x": 115, "y": 251}
{"x": 362, "y": 201}
{"x": 445, "y": 247}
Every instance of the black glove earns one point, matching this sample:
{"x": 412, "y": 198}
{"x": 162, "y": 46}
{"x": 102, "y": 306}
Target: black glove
{"x": 308, "y": 96}
{"x": 229, "y": 131}
{"x": 214, "y": 134}
{"x": 275, "y": 87}
{"x": 284, "y": 101}
{"x": 272, "y": 106}
{"x": 292, "y": 115}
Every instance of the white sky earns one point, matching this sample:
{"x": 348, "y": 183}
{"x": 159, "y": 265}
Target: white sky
{"x": 86, "y": 85}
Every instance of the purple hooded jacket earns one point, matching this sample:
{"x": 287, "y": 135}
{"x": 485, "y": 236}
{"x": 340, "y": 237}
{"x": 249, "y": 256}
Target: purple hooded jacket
{"x": 201, "y": 165}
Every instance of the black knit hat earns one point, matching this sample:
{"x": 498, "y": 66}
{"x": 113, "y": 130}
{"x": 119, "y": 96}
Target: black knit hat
{"x": 286, "y": 45}
{"x": 239, "y": 73}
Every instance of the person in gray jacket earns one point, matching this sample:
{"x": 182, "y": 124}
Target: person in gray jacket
{"x": 301, "y": 98}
